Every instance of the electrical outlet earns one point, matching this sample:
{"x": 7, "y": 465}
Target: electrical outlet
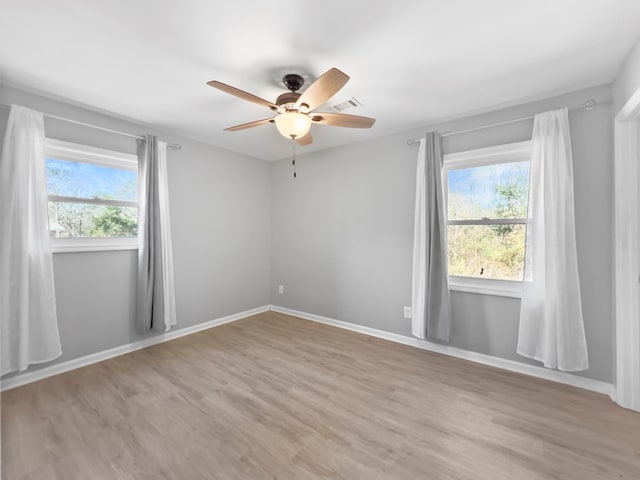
{"x": 281, "y": 289}
{"x": 407, "y": 312}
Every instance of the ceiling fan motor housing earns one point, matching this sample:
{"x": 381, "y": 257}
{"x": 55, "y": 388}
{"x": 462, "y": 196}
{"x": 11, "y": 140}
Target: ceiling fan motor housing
{"x": 286, "y": 98}
{"x": 293, "y": 82}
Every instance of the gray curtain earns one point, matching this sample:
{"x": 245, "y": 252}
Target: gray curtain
{"x": 431, "y": 306}
{"x": 155, "y": 302}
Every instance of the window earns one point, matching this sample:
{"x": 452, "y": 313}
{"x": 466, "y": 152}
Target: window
{"x": 486, "y": 199}
{"x": 93, "y": 197}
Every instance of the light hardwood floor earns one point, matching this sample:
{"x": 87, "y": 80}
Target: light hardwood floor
{"x": 276, "y": 397}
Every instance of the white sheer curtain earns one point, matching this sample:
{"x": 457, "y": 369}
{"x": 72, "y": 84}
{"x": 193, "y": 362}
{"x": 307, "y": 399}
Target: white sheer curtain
{"x": 155, "y": 303}
{"x": 431, "y": 311}
{"x": 28, "y": 320}
{"x": 551, "y": 324}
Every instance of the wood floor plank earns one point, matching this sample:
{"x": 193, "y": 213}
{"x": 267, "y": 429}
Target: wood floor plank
{"x": 277, "y": 397}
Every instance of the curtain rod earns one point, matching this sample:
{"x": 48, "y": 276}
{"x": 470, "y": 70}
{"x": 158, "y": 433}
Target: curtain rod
{"x": 96, "y": 127}
{"x": 588, "y": 106}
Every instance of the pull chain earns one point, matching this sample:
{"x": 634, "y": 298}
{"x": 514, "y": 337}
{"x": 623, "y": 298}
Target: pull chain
{"x": 293, "y": 155}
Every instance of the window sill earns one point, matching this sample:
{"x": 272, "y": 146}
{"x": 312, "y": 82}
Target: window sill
{"x": 73, "y": 245}
{"x": 483, "y": 286}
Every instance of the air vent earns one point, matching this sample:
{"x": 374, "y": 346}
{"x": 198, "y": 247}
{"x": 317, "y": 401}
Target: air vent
{"x": 353, "y": 102}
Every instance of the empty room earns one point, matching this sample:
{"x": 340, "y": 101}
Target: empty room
{"x": 320, "y": 240}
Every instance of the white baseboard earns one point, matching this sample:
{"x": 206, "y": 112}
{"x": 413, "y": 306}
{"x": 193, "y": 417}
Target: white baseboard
{"x": 526, "y": 369}
{"x": 29, "y": 377}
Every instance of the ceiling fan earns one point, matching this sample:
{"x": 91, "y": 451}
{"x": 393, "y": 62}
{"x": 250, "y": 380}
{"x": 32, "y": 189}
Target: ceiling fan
{"x": 295, "y": 111}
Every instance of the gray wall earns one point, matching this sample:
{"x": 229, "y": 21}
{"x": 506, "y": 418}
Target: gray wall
{"x": 220, "y": 231}
{"x": 628, "y": 79}
{"x": 342, "y": 232}
{"x": 339, "y": 237}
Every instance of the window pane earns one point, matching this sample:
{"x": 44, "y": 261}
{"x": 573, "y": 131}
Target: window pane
{"x": 488, "y": 191}
{"x": 486, "y": 251}
{"x": 89, "y": 220}
{"x": 86, "y": 180}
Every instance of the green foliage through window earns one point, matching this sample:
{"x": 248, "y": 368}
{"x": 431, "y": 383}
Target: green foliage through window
{"x": 486, "y": 251}
{"x": 68, "y": 219}
{"x": 115, "y": 222}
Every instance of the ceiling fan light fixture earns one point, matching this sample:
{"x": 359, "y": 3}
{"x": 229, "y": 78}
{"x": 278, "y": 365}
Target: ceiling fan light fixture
{"x": 293, "y": 124}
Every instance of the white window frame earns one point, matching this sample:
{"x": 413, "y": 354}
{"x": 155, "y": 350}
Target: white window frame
{"x": 508, "y": 153}
{"x": 97, "y": 156}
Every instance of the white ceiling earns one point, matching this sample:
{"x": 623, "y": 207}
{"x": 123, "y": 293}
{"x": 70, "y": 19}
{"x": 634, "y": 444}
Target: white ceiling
{"x": 411, "y": 62}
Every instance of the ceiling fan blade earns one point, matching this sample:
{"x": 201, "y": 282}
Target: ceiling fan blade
{"x": 244, "y": 126}
{"x": 306, "y": 140}
{"x": 342, "y": 120}
{"x": 241, "y": 94}
{"x": 325, "y": 87}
